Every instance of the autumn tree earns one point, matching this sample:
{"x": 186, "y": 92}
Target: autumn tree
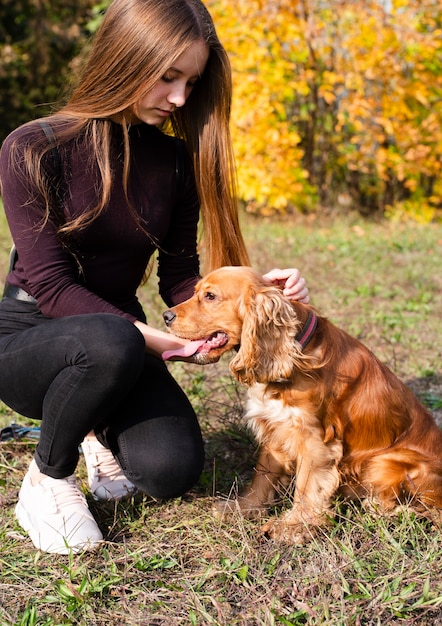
{"x": 336, "y": 102}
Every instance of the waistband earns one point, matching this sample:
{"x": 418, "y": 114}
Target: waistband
{"x": 17, "y": 293}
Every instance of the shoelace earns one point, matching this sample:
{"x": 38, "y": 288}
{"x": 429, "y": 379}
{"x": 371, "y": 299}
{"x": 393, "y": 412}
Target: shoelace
{"x": 105, "y": 464}
{"x": 66, "y": 493}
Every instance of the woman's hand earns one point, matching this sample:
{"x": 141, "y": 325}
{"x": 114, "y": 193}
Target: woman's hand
{"x": 158, "y": 341}
{"x": 169, "y": 347}
{"x": 292, "y": 283}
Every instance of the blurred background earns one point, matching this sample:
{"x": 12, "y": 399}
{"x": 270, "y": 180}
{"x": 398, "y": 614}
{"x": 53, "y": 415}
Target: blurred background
{"x": 337, "y": 103}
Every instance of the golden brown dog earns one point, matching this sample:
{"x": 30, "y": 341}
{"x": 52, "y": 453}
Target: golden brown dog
{"x": 322, "y": 407}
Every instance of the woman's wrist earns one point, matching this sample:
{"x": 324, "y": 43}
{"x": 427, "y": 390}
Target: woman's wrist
{"x": 158, "y": 341}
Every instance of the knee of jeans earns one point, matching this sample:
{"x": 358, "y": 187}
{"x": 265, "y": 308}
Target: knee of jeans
{"x": 118, "y": 343}
{"x": 166, "y": 477}
{"x": 169, "y": 484}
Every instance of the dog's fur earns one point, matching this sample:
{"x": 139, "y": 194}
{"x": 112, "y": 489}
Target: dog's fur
{"x": 332, "y": 414}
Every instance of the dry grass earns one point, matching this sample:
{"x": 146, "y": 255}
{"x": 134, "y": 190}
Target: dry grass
{"x": 171, "y": 563}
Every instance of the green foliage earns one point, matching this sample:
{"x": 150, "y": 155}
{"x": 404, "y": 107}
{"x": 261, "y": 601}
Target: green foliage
{"x": 39, "y": 41}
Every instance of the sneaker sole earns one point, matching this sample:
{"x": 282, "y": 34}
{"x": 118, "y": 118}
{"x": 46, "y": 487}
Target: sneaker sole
{"x": 62, "y": 548}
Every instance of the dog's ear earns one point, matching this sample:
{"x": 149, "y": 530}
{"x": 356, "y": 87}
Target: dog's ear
{"x": 268, "y": 350}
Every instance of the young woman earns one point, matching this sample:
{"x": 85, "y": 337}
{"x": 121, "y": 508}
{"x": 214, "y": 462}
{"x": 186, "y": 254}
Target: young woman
{"x": 90, "y": 194}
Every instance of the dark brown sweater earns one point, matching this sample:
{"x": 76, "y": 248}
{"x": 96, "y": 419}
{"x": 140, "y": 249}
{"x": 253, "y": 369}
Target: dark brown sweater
{"x": 114, "y": 251}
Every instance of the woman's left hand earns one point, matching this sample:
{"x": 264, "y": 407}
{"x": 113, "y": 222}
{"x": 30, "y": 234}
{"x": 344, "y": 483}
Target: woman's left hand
{"x": 292, "y": 283}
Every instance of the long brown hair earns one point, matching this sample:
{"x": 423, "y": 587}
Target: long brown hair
{"x": 138, "y": 41}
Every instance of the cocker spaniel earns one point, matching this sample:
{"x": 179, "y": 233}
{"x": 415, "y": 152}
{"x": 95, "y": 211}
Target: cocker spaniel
{"x": 323, "y": 408}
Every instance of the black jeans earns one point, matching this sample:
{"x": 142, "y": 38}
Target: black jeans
{"x": 91, "y": 372}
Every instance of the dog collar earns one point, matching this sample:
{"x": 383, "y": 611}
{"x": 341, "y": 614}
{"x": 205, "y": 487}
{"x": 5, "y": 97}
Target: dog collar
{"x": 309, "y": 328}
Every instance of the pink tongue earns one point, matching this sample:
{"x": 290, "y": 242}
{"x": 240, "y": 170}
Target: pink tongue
{"x": 187, "y": 350}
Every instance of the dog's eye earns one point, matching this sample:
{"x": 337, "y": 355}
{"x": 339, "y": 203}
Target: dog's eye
{"x": 209, "y": 296}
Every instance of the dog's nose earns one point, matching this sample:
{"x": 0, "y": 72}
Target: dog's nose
{"x": 168, "y": 317}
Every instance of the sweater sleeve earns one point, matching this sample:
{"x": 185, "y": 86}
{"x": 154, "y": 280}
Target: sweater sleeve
{"x": 44, "y": 268}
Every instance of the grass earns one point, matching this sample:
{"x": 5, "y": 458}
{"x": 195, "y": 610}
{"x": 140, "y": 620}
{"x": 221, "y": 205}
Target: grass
{"x": 171, "y": 563}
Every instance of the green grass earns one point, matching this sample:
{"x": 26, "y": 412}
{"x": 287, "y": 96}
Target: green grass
{"x": 172, "y": 563}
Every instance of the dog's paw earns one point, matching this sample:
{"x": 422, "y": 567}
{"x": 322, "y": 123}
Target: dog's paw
{"x": 238, "y": 506}
{"x": 291, "y": 534}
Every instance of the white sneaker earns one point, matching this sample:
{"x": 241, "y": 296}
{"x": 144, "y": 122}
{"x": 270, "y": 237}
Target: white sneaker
{"x": 105, "y": 477}
{"x": 55, "y": 514}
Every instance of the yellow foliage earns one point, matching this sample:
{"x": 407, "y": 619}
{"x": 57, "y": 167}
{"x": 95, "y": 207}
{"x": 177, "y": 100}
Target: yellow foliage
{"x": 422, "y": 212}
{"x": 340, "y": 89}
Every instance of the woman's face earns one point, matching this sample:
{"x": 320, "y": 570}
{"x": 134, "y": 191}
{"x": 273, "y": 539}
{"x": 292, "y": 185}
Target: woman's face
{"x": 173, "y": 89}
